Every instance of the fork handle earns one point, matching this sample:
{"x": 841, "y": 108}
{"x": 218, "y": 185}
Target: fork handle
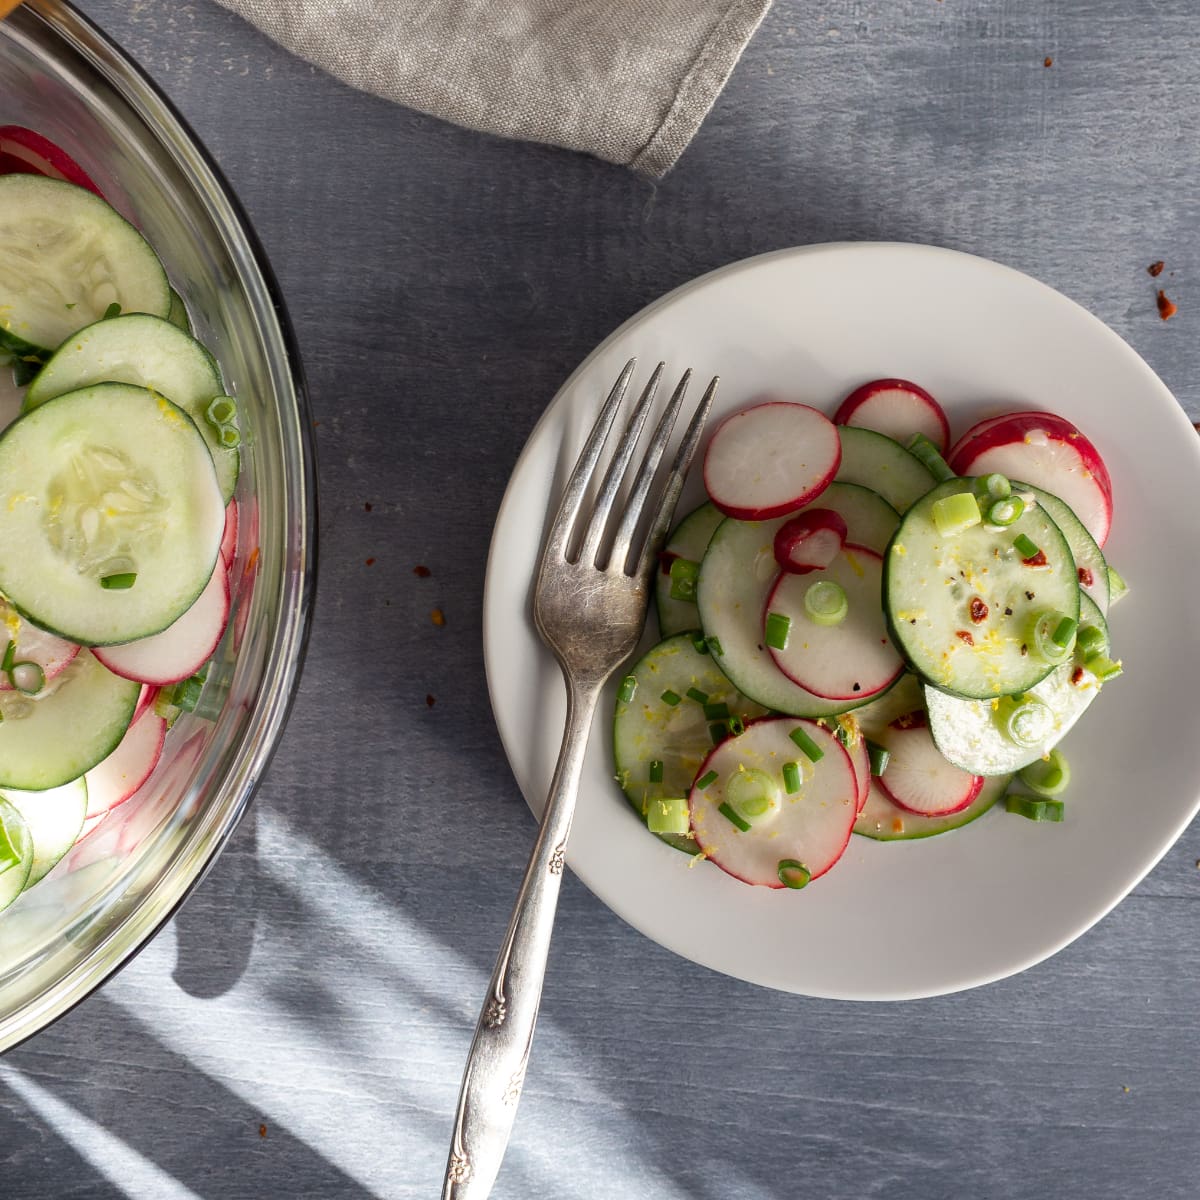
{"x": 495, "y": 1070}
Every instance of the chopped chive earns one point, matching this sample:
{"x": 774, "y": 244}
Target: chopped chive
{"x": 221, "y": 410}
{"x": 9, "y": 654}
{"x": 793, "y": 874}
{"x": 699, "y": 643}
{"x": 733, "y": 817}
{"x": 778, "y": 628}
{"x": 113, "y": 310}
{"x": 994, "y": 487}
{"x": 656, "y": 770}
{"x": 27, "y": 677}
{"x": 922, "y": 448}
{"x": 120, "y": 582}
{"x": 1064, "y": 631}
{"x": 717, "y": 731}
{"x": 791, "y": 777}
{"x": 669, "y": 815}
{"x": 716, "y": 712}
{"x": 1048, "y": 776}
{"x": 670, "y": 697}
{"x": 628, "y": 689}
{"x": 1025, "y": 546}
{"x": 806, "y": 745}
{"x": 1036, "y": 808}
{"x": 955, "y": 514}
{"x": 843, "y": 735}
{"x": 825, "y": 603}
{"x": 229, "y": 436}
{"x": 878, "y": 756}
{"x": 684, "y": 573}
{"x": 737, "y": 726}
{"x": 706, "y": 781}
{"x": 1090, "y": 641}
{"x": 694, "y": 693}
{"x": 714, "y": 644}
{"x": 1006, "y": 511}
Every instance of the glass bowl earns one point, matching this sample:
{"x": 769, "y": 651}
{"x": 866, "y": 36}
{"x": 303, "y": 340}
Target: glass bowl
{"x": 125, "y": 877}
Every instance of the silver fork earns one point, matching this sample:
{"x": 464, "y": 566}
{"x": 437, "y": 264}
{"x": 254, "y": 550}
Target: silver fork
{"x": 589, "y": 606}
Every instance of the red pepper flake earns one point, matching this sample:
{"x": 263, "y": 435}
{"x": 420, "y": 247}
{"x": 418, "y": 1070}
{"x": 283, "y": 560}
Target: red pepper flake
{"x": 964, "y": 636}
{"x": 1166, "y": 309}
{"x": 1156, "y": 268}
{"x": 262, "y": 1131}
{"x": 370, "y": 562}
{"x": 429, "y": 701}
{"x": 1086, "y": 578}
{"x": 367, "y": 506}
{"x": 1036, "y": 560}
{"x": 1047, "y": 61}
{"x": 438, "y": 617}
{"x": 1077, "y": 676}
{"x": 979, "y": 610}
{"x": 422, "y": 572}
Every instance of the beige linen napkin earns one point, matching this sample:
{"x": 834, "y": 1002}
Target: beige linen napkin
{"x": 627, "y": 80}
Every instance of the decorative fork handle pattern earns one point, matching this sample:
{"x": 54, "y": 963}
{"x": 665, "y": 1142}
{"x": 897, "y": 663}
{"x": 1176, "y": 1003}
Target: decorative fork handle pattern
{"x": 495, "y": 1071}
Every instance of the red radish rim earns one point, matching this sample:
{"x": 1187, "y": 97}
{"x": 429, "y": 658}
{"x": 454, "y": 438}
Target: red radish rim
{"x": 145, "y": 768}
{"x": 911, "y": 723}
{"x": 59, "y": 163}
{"x": 868, "y": 391}
{"x": 815, "y": 521}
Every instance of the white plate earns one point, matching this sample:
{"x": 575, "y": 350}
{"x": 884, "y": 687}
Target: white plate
{"x": 898, "y": 920}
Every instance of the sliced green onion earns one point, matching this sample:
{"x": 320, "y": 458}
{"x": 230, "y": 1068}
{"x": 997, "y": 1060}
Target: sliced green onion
{"x": 1026, "y": 721}
{"x": 879, "y": 757}
{"x": 669, "y": 815}
{"x": 1117, "y": 587}
{"x": 791, "y": 778}
{"x": 752, "y": 792}
{"x": 1064, "y": 632}
{"x": 717, "y": 732}
{"x": 1036, "y": 808}
{"x": 119, "y": 582}
{"x": 1044, "y": 633}
{"x": 113, "y": 310}
{"x": 628, "y": 689}
{"x": 994, "y": 487}
{"x": 694, "y": 693}
{"x": 670, "y": 697}
{"x": 706, "y": 781}
{"x": 1090, "y": 641}
{"x": 825, "y": 603}
{"x": 229, "y": 436}
{"x": 737, "y": 726}
{"x": 1025, "y": 546}
{"x": 921, "y": 447}
{"x": 843, "y": 735}
{"x": 656, "y": 770}
{"x": 733, "y": 818}
{"x": 10, "y": 652}
{"x": 699, "y": 643}
{"x": 793, "y": 874}
{"x": 714, "y": 644}
{"x": 9, "y": 856}
{"x": 221, "y": 410}
{"x": 1048, "y": 776}
{"x": 778, "y": 629}
{"x": 955, "y": 514}
{"x": 684, "y": 573}
{"x": 1005, "y": 511}
{"x": 716, "y": 712}
{"x": 806, "y": 745}
{"x": 1105, "y": 668}
{"x": 185, "y": 694}
{"x": 27, "y": 677}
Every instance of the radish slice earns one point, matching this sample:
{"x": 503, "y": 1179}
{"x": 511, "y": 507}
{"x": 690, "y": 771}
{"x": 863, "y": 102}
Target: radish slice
{"x": 146, "y": 698}
{"x": 88, "y": 828}
{"x": 181, "y": 649}
{"x": 810, "y": 541}
{"x": 230, "y": 538}
{"x": 847, "y": 661}
{"x": 896, "y": 408}
{"x": 917, "y": 777}
{"x": 860, "y": 760}
{"x": 770, "y": 460}
{"x": 1047, "y": 451}
{"x": 26, "y": 152}
{"x": 811, "y": 827}
{"x": 114, "y": 780}
{"x": 50, "y": 653}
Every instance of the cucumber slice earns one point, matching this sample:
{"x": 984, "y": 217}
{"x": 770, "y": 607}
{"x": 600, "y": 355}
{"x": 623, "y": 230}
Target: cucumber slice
{"x": 932, "y": 583}
{"x": 1090, "y": 563}
{"x": 689, "y": 540}
{"x": 874, "y": 461}
{"x": 16, "y": 837}
{"x": 967, "y": 733}
{"x": 72, "y": 724}
{"x": 108, "y": 480}
{"x": 883, "y": 821}
{"x": 736, "y": 576}
{"x": 54, "y": 818}
{"x": 178, "y": 314}
{"x": 65, "y": 257}
{"x": 148, "y": 352}
{"x": 646, "y": 728}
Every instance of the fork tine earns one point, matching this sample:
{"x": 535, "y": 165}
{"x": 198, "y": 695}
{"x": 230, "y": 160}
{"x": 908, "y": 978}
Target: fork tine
{"x": 615, "y": 474}
{"x": 564, "y": 520}
{"x": 665, "y": 512}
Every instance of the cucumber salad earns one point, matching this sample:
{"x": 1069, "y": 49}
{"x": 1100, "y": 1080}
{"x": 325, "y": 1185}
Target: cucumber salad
{"x": 869, "y": 630}
{"x": 119, "y": 455}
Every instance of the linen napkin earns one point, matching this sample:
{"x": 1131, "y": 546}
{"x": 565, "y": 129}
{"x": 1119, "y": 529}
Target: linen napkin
{"x": 627, "y": 80}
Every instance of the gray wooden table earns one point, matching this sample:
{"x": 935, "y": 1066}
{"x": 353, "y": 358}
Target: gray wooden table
{"x": 299, "y": 1029}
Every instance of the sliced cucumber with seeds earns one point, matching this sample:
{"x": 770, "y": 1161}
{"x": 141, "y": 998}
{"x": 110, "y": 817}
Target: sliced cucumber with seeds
{"x": 874, "y": 461}
{"x": 16, "y": 854}
{"x": 76, "y": 721}
{"x": 962, "y": 604}
{"x": 65, "y": 258}
{"x": 674, "y": 732}
{"x": 688, "y": 542}
{"x": 54, "y": 818}
{"x": 109, "y": 485}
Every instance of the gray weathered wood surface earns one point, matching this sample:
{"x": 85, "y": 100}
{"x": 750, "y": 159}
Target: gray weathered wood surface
{"x": 323, "y": 981}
